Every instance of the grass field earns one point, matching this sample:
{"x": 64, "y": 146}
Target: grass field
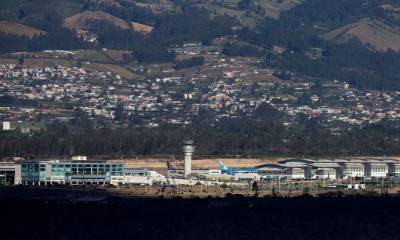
{"x": 93, "y": 56}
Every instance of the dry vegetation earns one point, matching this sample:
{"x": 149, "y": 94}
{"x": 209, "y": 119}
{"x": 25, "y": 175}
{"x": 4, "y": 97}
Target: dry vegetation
{"x": 273, "y": 8}
{"x": 201, "y": 163}
{"x": 82, "y": 20}
{"x": 19, "y": 29}
{"x": 373, "y": 33}
{"x": 208, "y": 163}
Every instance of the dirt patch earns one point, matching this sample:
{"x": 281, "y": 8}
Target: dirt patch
{"x": 199, "y": 163}
{"x": 209, "y": 163}
{"x": 139, "y": 27}
{"x": 116, "y": 69}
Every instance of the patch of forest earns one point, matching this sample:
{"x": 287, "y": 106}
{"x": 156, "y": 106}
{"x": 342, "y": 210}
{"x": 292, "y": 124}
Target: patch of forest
{"x": 259, "y": 136}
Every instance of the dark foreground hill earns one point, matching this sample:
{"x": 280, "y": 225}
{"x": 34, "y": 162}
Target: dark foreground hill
{"x": 230, "y": 218}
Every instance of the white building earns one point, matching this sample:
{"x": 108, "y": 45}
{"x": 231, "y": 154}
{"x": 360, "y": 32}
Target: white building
{"x": 354, "y": 169}
{"x": 396, "y": 169}
{"x": 330, "y": 169}
{"x": 246, "y": 177}
{"x": 142, "y": 177}
{"x": 298, "y": 168}
{"x": 377, "y": 169}
{"x": 272, "y": 171}
{"x": 6, "y": 126}
{"x": 290, "y": 169}
{"x": 325, "y": 169}
{"x": 297, "y": 173}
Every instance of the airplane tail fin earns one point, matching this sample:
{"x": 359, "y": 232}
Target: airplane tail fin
{"x": 222, "y": 166}
{"x": 169, "y": 165}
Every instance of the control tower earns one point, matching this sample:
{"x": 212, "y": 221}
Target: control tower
{"x": 188, "y": 150}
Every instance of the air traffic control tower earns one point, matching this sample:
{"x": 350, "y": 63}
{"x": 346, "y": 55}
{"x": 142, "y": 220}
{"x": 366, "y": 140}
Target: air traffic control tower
{"x": 188, "y": 150}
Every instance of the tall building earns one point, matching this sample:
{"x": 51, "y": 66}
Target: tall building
{"x": 188, "y": 150}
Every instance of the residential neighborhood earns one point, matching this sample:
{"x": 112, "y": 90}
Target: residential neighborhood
{"x": 223, "y": 87}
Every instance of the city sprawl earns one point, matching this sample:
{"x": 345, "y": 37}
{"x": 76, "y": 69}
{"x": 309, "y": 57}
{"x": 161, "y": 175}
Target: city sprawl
{"x": 153, "y": 94}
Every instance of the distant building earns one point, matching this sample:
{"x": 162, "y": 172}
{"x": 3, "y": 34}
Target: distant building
{"x": 25, "y": 130}
{"x": 7, "y": 171}
{"x": 326, "y": 173}
{"x": 142, "y": 177}
{"x": 79, "y": 158}
{"x": 377, "y": 169}
{"x": 6, "y": 126}
{"x": 329, "y": 169}
{"x": 354, "y": 169}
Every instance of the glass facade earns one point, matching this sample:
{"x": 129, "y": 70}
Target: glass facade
{"x": 74, "y": 172}
{"x": 30, "y": 171}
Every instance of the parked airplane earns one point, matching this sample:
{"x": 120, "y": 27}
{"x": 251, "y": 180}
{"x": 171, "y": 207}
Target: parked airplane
{"x": 226, "y": 170}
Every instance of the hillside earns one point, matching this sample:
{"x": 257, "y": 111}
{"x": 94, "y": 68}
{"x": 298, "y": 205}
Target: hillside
{"x": 273, "y": 8}
{"x": 149, "y": 28}
{"x": 81, "y": 21}
{"x": 249, "y": 15}
{"x": 374, "y": 34}
{"x": 19, "y": 29}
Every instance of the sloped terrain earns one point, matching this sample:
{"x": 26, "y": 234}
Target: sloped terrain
{"x": 273, "y": 8}
{"x": 82, "y": 20}
{"x": 19, "y": 29}
{"x": 374, "y": 34}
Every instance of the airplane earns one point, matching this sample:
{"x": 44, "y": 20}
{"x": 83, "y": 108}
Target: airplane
{"x": 226, "y": 170}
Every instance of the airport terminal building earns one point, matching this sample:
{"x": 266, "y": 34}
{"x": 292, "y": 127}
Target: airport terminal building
{"x": 70, "y": 172}
{"x": 80, "y": 171}
{"x": 330, "y": 169}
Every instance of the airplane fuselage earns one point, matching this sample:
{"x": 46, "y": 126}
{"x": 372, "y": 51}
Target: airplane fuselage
{"x": 234, "y": 171}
